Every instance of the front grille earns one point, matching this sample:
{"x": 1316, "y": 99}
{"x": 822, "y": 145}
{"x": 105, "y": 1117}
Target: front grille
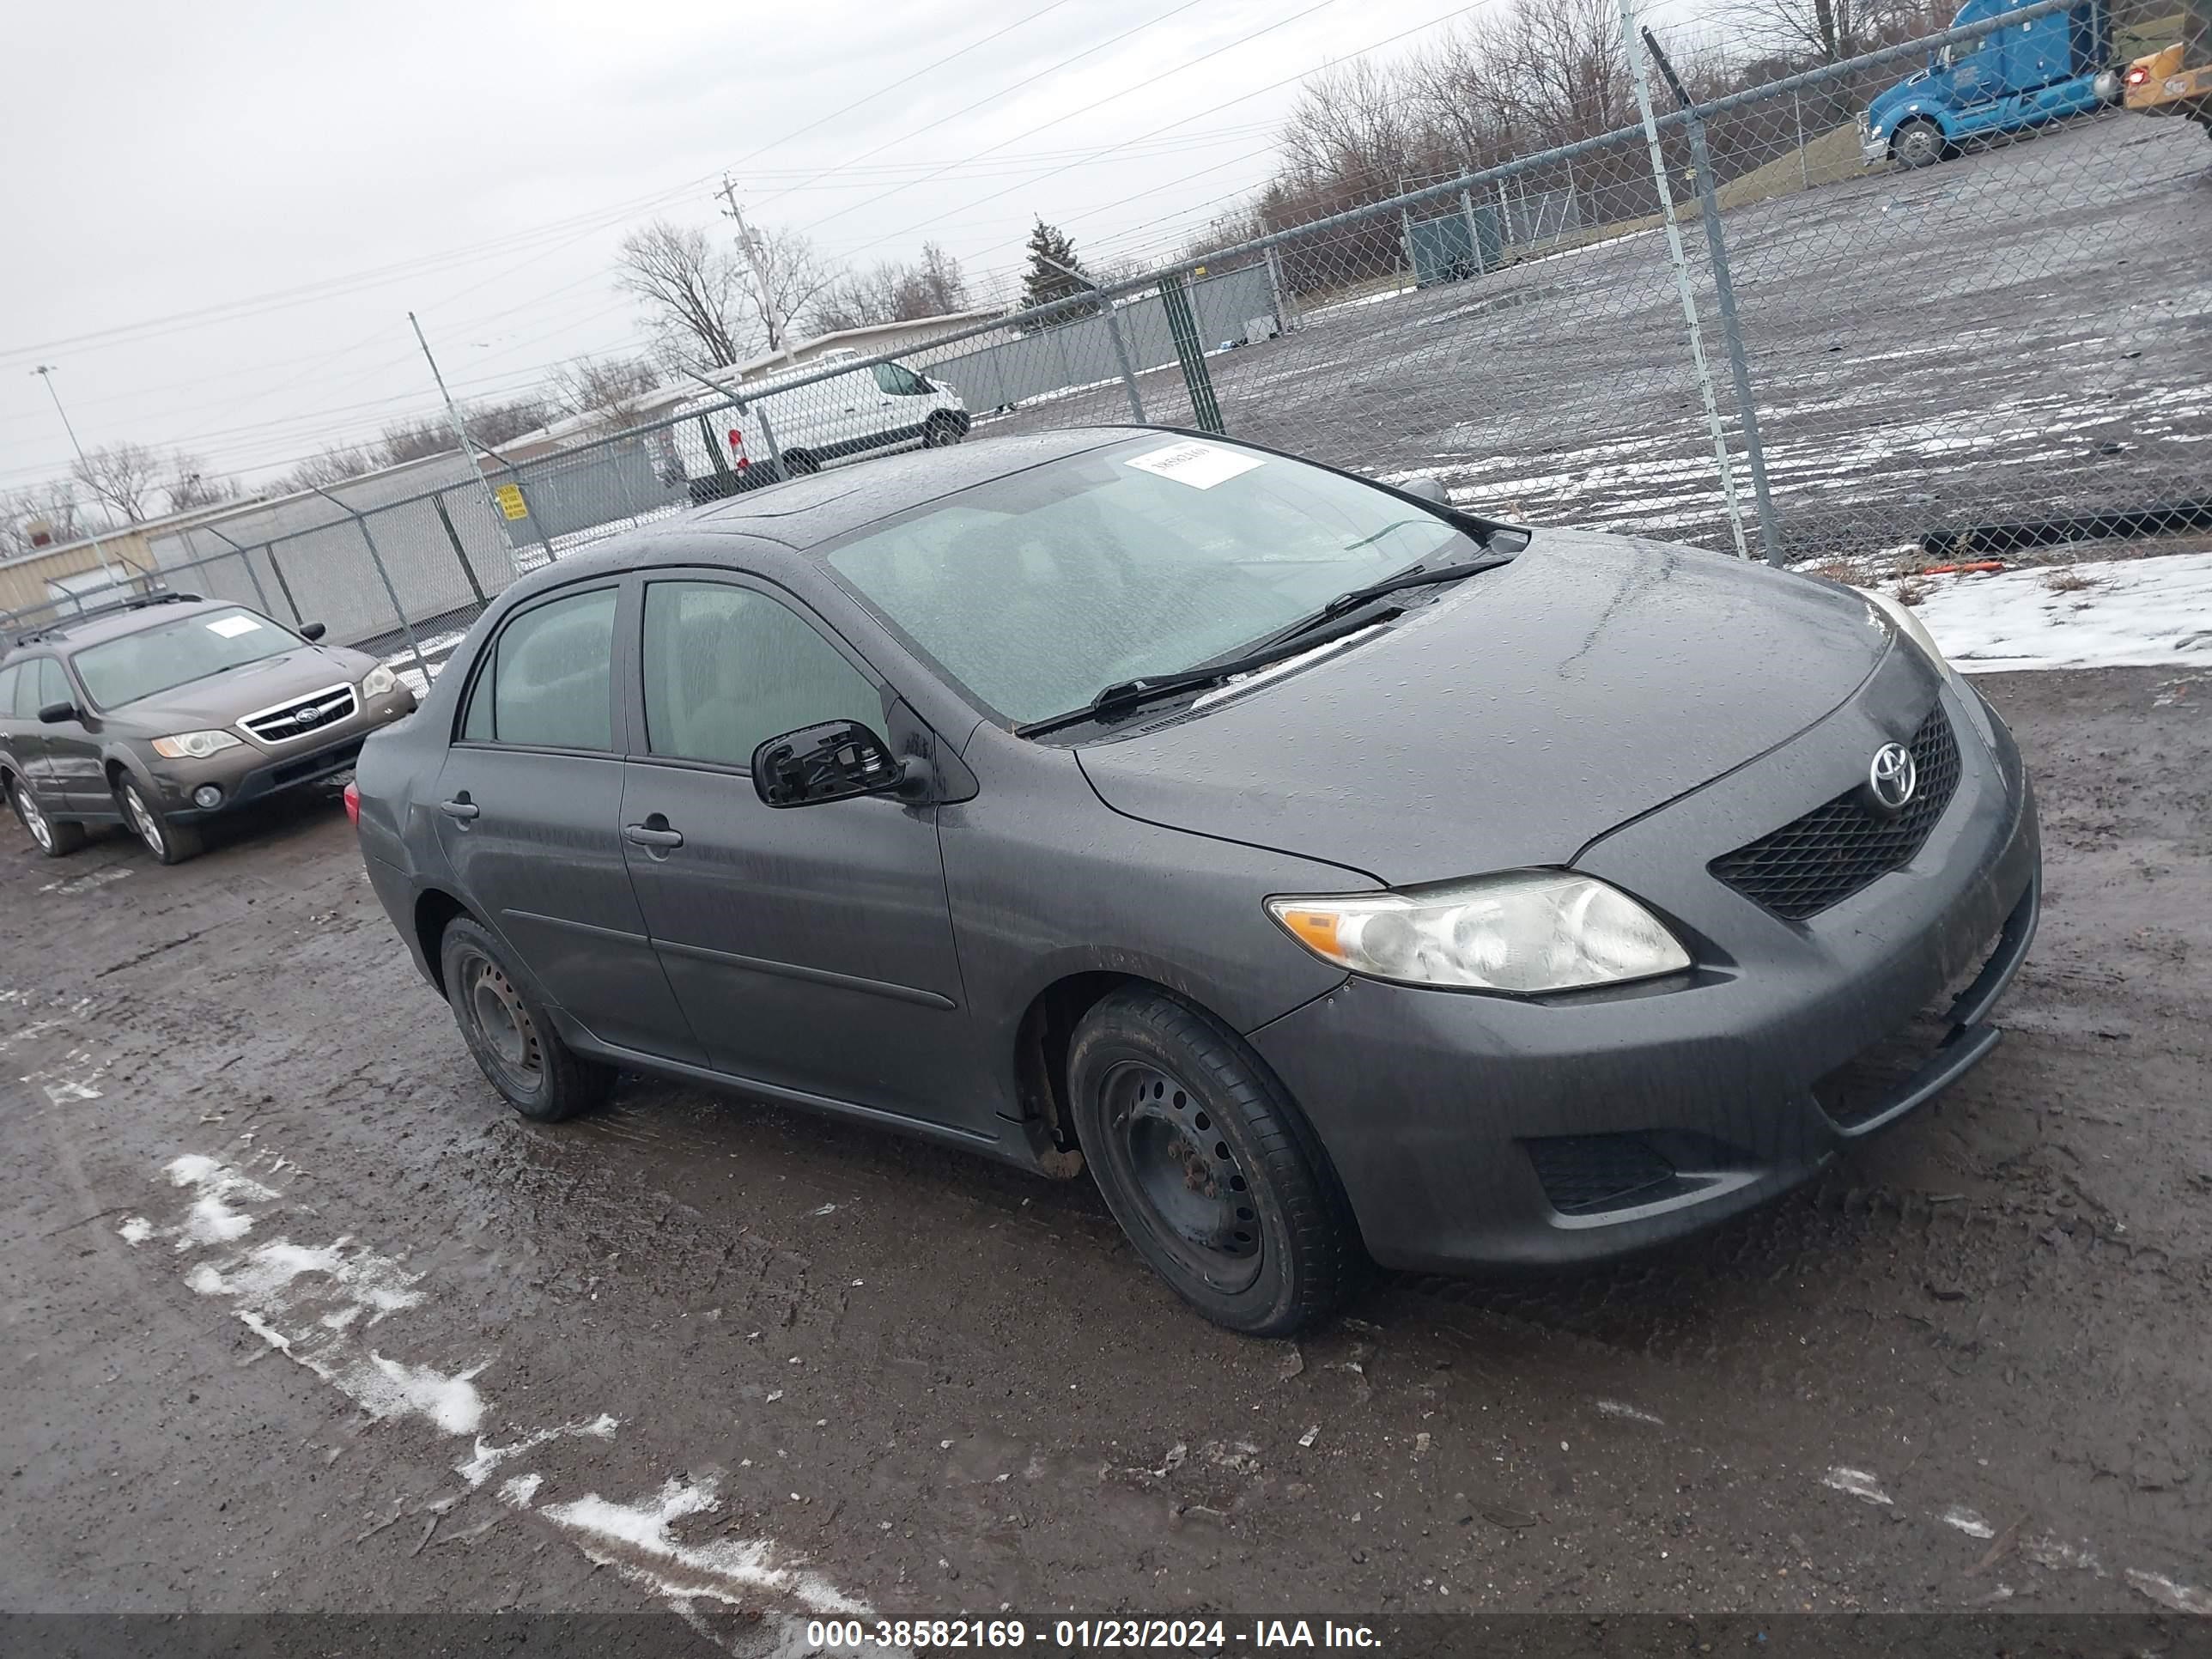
{"x": 1840, "y": 846}
{"x": 302, "y": 716}
{"x": 1582, "y": 1174}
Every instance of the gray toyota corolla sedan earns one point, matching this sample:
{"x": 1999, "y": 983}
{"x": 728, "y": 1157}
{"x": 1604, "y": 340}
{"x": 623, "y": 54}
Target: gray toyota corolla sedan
{"x": 1334, "y": 874}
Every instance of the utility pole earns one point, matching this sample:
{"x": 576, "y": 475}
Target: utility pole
{"x": 460, "y": 428}
{"x": 749, "y": 243}
{"x": 46, "y": 372}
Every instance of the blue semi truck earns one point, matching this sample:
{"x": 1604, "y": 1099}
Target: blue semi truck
{"x": 2014, "y": 78}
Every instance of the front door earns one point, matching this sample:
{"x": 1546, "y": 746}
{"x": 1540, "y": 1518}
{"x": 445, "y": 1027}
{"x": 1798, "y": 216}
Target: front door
{"x": 811, "y": 946}
{"x": 74, "y": 771}
{"x": 529, "y": 810}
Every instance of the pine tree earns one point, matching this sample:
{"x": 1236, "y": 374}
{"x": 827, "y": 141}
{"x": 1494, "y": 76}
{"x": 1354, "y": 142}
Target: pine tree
{"x": 1041, "y": 283}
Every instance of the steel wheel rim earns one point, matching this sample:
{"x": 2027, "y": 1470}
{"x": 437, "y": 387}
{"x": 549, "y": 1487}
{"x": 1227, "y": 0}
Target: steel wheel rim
{"x": 1177, "y": 1161}
{"x": 143, "y": 819}
{"x": 502, "y": 1025}
{"x": 33, "y": 819}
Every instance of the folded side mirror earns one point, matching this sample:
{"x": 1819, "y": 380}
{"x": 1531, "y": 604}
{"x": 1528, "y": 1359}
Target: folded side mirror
{"x": 314, "y": 631}
{"x": 55, "y": 713}
{"x": 1427, "y": 489}
{"x": 834, "y": 761}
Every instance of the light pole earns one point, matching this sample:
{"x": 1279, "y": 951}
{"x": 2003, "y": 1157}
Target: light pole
{"x": 46, "y": 372}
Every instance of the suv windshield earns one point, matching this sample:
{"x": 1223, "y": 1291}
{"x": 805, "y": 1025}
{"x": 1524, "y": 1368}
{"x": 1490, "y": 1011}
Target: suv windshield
{"x": 1034, "y": 591}
{"x": 175, "y": 651}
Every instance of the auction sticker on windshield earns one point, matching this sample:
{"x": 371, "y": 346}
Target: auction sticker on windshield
{"x": 231, "y": 627}
{"x": 1199, "y": 466}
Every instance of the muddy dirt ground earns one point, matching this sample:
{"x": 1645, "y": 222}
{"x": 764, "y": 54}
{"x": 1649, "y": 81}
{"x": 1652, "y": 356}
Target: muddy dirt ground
{"x": 1967, "y": 1370}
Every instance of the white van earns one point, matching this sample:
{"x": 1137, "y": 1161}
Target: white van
{"x": 715, "y": 448}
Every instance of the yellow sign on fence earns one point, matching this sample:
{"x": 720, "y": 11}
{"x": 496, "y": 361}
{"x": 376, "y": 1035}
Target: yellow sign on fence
{"x": 511, "y": 501}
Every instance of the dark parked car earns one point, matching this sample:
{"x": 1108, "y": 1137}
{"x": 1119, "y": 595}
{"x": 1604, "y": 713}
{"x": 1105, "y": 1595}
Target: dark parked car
{"x": 161, "y": 712}
{"x": 1333, "y": 872}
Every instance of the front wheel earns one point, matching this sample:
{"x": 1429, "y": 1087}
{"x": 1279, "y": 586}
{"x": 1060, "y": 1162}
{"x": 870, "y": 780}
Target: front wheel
{"x": 1918, "y": 144}
{"x": 1208, "y": 1167}
{"x": 54, "y": 839}
{"x": 940, "y": 430}
{"x": 171, "y": 843}
{"x": 512, "y": 1041}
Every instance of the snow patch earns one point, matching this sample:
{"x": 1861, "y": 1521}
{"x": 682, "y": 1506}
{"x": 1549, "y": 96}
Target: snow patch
{"x": 1969, "y": 1521}
{"x": 1628, "y": 1413}
{"x": 478, "y": 1469}
{"x": 2111, "y": 613}
{"x": 638, "y": 1540}
{"x": 1856, "y": 1483}
{"x": 135, "y": 1229}
{"x": 2182, "y": 1598}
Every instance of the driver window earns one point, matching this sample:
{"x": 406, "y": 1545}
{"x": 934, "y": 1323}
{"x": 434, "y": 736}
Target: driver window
{"x": 727, "y": 668}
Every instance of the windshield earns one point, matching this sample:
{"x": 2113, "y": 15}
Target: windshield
{"x": 1037, "y": 591}
{"x": 117, "y": 671}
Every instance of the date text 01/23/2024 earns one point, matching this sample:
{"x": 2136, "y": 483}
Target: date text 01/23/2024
{"x": 1211, "y": 1636}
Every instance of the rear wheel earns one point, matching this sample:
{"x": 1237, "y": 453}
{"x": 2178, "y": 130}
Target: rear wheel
{"x": 797, "y": 463}
{"x": 1208, "y": 1167}
{"x": 171, "y": 842}
{"x": 512, "y": 1041}
{"x": 1918, "y": 144}
{"x": 941, "y": 430}
{"x": 54, "y": 840}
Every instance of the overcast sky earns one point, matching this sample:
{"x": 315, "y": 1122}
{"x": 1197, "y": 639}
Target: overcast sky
{"x": 218, "y": 214}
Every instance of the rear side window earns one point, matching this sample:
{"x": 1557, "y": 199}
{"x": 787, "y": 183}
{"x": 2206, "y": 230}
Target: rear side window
{"x": 550, "y": 682}
{"x": 900, "y": 381}
{"x": 727, "y": 668}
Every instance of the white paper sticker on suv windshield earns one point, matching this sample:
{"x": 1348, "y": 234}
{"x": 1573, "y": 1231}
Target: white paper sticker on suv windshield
{"x": 1199, "y": 466}
{"x": 231, "y": 627}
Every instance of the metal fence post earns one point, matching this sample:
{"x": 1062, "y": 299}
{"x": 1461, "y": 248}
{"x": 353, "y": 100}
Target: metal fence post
{"x": 1720, "y": 459}
{"x": 1121, "y": 353}
{"x": 1283, "y": 323}
{"x": 245, "y": 558}
{"x": 1182, "y": 329}
{"x": 1709, "y": 205}
{"x": 361, "y": 523}
{"x": 1804, "y": 173}
{"x": 438, "y": 504}
{"x": 536, "y": 523}
{"x": 269, "y": 551}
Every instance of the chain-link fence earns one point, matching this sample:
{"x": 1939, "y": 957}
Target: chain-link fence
{"x": 1816, "y": 320}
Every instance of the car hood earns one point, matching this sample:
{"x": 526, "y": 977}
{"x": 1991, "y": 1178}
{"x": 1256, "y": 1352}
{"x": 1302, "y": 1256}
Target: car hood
{"x": 1513, "y": 722}
{"x": 221, "y": 699}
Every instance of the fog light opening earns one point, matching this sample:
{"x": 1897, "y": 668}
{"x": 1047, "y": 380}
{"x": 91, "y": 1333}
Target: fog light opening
{"x": 207, "y": 797}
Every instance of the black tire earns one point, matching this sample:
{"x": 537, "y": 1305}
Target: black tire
{"x": 53, "y": 837}
{"x": 169, "y": 841}
{"x": 798, "y": 463}
{"x": 941, "y": 430}
{"x": 1207, "y": 1165}
{"x": 512, "y": 1041}
{"x": 1917, "y": 144}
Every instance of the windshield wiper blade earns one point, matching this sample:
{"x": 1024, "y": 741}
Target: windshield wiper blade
{"x": 1128, "y": 693}
{"x": 1417, "y": 577}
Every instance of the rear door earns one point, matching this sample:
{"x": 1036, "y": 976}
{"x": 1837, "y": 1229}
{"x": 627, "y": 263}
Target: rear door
{"x": 529, "y": 810}
{"x": 24, "y": 743}
{"x": 811, "y": 946}
{"x": 72, "y": 746}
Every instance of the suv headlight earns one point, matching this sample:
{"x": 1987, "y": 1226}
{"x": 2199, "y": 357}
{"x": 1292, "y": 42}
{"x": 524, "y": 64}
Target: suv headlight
{"x": 194, "y": 745}
{"x": 1526, "y": 931}
{"x": 380, "y": 680}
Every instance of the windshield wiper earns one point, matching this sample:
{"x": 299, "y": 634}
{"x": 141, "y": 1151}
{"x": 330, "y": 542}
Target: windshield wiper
{"x": 1128, "y": 693}
{"x": 1417, "y": 577}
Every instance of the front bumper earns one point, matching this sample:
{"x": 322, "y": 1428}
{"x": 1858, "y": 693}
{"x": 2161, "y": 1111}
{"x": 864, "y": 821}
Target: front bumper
{"x": 1873, "y": 152}
{"x": 1476, "y": 1131}
{"x": 253, "y": 773}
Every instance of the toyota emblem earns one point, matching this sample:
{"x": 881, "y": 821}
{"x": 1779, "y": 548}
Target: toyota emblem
{"x": 1893, "y": 778}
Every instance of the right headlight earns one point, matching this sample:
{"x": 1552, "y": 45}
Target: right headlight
{"x": 1524, "y": 931}
{"x": 194, "y": 745}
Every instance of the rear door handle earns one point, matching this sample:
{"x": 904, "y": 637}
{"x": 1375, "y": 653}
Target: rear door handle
{"x": 464, "y": 809}
{"x": 639, "y": 835}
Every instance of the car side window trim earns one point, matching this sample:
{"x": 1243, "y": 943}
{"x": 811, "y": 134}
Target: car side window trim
{"x": 619, "y": 670}
{"x": 640, "y": 751}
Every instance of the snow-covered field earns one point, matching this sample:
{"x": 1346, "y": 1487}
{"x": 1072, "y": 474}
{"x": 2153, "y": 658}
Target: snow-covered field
{"x": 2114, "y": 613}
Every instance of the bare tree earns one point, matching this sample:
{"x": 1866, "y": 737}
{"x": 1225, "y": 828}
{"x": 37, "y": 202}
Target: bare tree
{"x": 190, "y": 484}
{"x": 333, "y": 466}
{"x": 611, "y": 387}
{"x": 780, "y": 277}
{"x": 892, "y": 293}
{"x": 489, "y": 424}
{"x": 688, "y": 288}
{"x": 1829, "y": 31}
{"x": 125, "y": 477}
{"x": 45, "y": 515}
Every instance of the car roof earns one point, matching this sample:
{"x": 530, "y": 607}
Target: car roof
{"x": 802, "y": 514}
{"x": 76, "y": 631}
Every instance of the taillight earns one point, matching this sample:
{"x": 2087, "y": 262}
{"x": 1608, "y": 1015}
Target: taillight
{"x": 352, "y": 803}
{"x": 738, "y": 449}
{"x": 2137, "y": 76}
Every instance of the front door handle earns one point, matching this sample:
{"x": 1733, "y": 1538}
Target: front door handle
{"x": 462, "y": 808}
{"x": 659, "y": 837}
